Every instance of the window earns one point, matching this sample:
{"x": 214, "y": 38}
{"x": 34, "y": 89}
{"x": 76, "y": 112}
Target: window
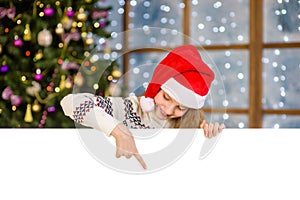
{"x": 253, "y": 46}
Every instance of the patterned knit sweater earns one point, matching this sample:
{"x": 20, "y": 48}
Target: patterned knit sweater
{"x": 104, "y": 114}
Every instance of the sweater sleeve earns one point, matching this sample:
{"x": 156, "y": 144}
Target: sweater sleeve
{"x": 91, "y": 111}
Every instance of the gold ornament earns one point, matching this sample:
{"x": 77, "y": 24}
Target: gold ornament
{"x": 66, "y": 22}
{"x": 0, "y": 48}
{"x": 107, "y": 49}
{"x": 36, "y": 107}
{"x": 88, "y": 1}
{"x": 68, "y": 84}
{"x": 59, "y": 29}
{"x": 27, "y": 33}
{"x": 116, "y": 73}
{"x": 62, "y": 82}
{"x": 45, "y": 38}
{"x": 28, "y": 115}
{"x": 39, "y": 55}
{"x": 89, "y": 41}
{"x": 78, "y": 80}
{"x": 81, "y": 15}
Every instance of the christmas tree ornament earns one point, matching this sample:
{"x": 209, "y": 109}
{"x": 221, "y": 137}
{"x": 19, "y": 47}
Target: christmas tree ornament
{"x": 36, "y": 107}
{"x": 102, "y": 24}
{"x": 28, "y": 115}
{"x": 7, "y": 92}
{"x": 4, "y": 68}
{"x": 39, "y": 55}
{"x": 44, "y": 38}
{"x": 107, "y": 49}
{"x": 1, "y": 49}
{"x": 59, "y": 29}
{"x": 62, "y": 82}
{"x": 78, "y": 80}
{"x": 10, "y": 12}
{"x": 89, "y": 41}
{"x": 18, "y": 42}
{"x": 88, "y": 1}
{"x": 97, "y": 14}
{"x": 43, "y": 120}
{"x": 51, "y": 109}
{"x": 70, "y": 12}
{"x": 67, "y": 22}
{"x": 68, "y": 83}
{"x": 116, "y": 73}
{"x": 35, "y": 88}
{"x": 38, "y": 77}
{"x": 81, "y": 15}
{"x": 16, "y": 100}
{"x": 48, "y": 11}
{"x": 27, "y": 33}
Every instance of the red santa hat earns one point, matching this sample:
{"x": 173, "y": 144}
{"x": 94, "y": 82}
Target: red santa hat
{"x": 183, "y": 75}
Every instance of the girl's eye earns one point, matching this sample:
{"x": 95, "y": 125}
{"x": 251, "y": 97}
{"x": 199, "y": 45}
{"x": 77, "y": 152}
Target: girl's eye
{"x": 166, "y": 97}
{"x": 182, "y": 109}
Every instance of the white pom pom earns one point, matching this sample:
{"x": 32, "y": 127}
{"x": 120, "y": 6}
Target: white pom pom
{"x": 147, "y": 104}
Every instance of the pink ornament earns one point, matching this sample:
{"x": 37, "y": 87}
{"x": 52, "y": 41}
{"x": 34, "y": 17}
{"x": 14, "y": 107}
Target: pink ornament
{"x": 70, "y": 13}
{"x": 51, "y": 109}
{"x": 49, "y": 12}
{"x": 18, "y": 43}
{"x": 16, "y": 100}
{"x": 38, "y": 77}
{"x": 7, "y": 92}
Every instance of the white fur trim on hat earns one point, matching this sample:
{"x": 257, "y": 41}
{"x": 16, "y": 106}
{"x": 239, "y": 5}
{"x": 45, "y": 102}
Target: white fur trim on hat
{"x": 147, "y": 104}
{"x": 183, "y": 95}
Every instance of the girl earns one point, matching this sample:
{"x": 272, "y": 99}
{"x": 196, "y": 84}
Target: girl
{"x": 173, "y": 99}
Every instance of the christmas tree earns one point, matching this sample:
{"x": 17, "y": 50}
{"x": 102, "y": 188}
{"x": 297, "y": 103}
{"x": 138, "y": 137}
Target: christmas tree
{"x": 43, "y": 43}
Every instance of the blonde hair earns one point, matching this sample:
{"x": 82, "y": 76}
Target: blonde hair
{"x": 191, "y": 119}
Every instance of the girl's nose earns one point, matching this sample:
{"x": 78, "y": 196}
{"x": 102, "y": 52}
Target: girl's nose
{"x": 169, "y": 109}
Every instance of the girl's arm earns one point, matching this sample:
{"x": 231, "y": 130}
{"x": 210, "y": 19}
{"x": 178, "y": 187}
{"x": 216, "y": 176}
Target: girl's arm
{"x": 91, "y": 111}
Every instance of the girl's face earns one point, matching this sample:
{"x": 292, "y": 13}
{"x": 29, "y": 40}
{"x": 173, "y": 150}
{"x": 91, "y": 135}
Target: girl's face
{"x": 166, "y": 107}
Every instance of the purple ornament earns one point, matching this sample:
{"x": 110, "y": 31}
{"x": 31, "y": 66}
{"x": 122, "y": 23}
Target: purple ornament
{"x": 7, "y": 92}
{"x": 38, "y": 77}
{"x": 4, "y": 68}
{"x": 16, "y": 100}
{"x": 102, "y": 24}
{"x": 70, "y": 13}
{"x": 51, "y": 109}
{"x": 49, "y": 12}
{"x": 18, "y": 43}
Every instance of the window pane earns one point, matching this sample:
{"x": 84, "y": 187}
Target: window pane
{"x": 141, "y": 69}
{"x": 281, "y": 73}
{"x": 116, "y": 25}
{"x": 281, "y": 121}
{"x": 281, "y": 21}
{"x": 230, "y": 120}
{"x": 165, "y": 15}
{"x": 220, "y": 22}
{"x": 233, "y": 70}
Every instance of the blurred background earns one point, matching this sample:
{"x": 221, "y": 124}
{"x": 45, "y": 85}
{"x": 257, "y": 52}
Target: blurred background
{"x": 49, "y": 48}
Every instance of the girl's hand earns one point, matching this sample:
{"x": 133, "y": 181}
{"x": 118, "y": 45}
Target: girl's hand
{"x": 125, "y": 144}
{"x": 211, "y": 130}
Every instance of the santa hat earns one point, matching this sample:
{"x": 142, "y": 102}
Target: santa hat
{"x": 183, "y": 75}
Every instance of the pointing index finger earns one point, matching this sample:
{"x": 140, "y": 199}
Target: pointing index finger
{"x": 140, "y": 160}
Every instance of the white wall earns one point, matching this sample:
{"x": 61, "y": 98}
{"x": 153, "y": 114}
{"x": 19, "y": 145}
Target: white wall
{"x": 245, "y": 164}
